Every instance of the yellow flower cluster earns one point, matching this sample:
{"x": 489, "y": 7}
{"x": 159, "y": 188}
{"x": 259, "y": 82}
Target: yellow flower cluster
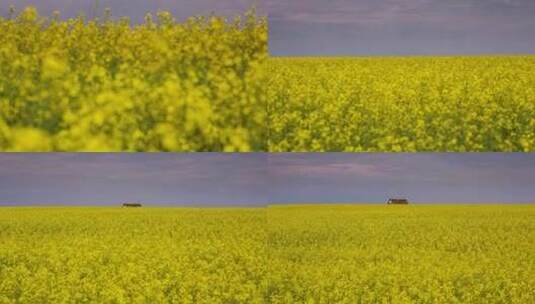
{"x": 104, "y": 85}
{"x": 148, "y": 255}
{"x": 401, "y": 254}
{"x": 402, "y": 104}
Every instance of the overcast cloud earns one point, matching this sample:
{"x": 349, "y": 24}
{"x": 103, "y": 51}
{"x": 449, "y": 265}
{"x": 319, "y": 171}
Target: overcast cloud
{"x": 257, "y": 179}
{"x": 420, "y": 177}
{"x": 152, "y": 178}
{"x": 401, "y": 27}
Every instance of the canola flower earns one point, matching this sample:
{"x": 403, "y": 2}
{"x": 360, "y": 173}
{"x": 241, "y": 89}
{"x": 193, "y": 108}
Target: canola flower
{"x": 122, "y": 255}
{"x": 107, "y": 85}
{"x": 401, "y": 254}
{"x": 278, "y": 254}
{"x": 408, "y": 104}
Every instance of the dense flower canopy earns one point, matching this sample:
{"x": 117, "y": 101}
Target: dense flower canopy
{"x": 103, "y": 84}
{"x": 453, "y": 104}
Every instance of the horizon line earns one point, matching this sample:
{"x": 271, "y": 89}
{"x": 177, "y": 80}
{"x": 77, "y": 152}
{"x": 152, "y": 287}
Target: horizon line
{"x": 264, "y": 206}
{"x": 402, "y": 55}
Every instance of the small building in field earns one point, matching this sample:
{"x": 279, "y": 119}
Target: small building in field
{"x": 397, "y": 201}
{"x": 131, "y": 204}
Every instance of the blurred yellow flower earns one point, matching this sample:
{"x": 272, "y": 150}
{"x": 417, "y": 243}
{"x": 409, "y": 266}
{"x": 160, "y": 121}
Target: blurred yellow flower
{"x": 106, "y": 85}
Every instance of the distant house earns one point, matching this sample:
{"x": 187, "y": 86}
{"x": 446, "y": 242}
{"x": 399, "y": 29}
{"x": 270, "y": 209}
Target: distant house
{"x": 397, "y": 201}
{"x": 131, "y": 205}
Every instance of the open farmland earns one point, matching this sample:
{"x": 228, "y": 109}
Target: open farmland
{"x": 279, "y": 254}
{"x": 110, "y": 85}
{"x": 123, "y": 255}
{"x": 402, "y": 104}
{"x": 401, "y": 254}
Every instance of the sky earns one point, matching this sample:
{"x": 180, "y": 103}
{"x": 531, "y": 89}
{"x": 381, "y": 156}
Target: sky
{"x": 400, "y": 27}
{"x": 256, "y": 179}
{"x": 149, "y": 178}
{"x": 418, "y": 177}
{"x": 135, "y": 9}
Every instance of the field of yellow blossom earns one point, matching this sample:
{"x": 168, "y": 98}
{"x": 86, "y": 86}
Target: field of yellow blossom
{"x": 278, "y": 254}
{"x": 109, "y": 85}
{"x": 401, "y": 254}
{"x": 132, "y": 255}
{"x": 407, "y": 104}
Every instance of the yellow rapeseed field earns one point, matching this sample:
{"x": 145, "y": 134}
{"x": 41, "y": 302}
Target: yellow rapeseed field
{"x": 109, "y": 85}
{"x": 402, "y": 104}
{"x": 402, "y": 254}
{"x": 279, "y": 254}
{"x": 129, "y": 255}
